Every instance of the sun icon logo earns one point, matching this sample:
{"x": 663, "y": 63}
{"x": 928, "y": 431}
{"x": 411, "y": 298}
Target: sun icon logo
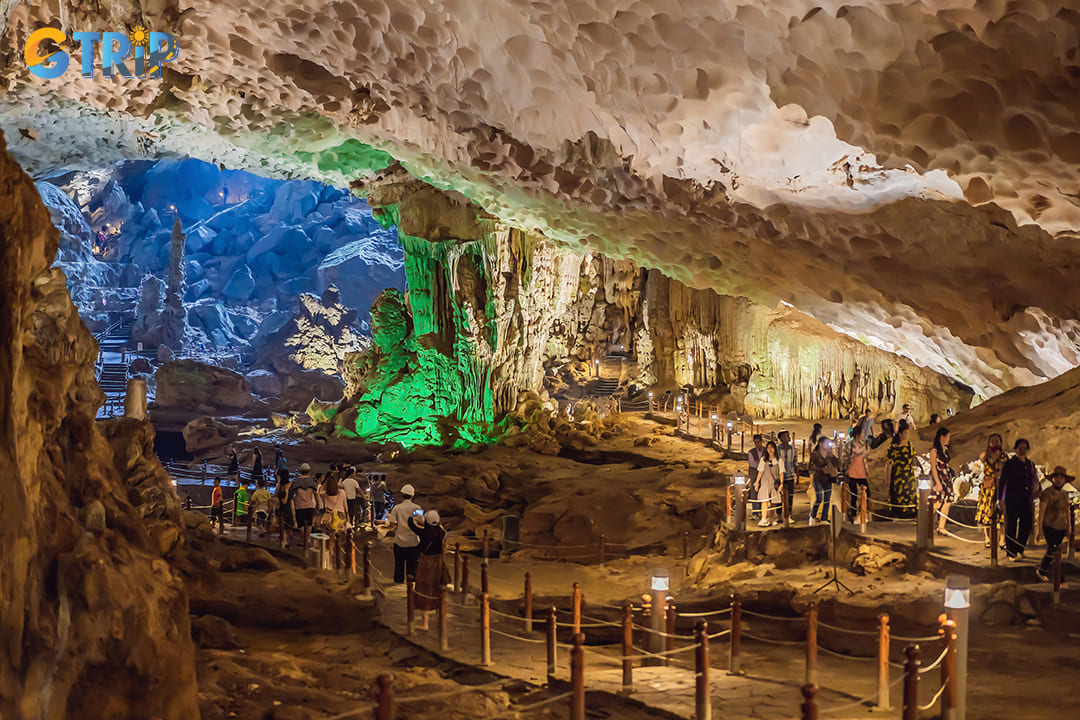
{"x": 139, "y": 36}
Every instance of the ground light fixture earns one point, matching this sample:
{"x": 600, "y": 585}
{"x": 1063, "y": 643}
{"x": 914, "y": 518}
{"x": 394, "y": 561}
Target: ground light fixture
{"x": 923, "y": 536}
{"x": 739, "y": 516}
{"x": 659, "y": 585}
{"x": 957, "y": 607}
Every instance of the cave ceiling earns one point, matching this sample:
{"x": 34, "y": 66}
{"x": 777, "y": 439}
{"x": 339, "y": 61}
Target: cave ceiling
{"x": 906, "y": 172}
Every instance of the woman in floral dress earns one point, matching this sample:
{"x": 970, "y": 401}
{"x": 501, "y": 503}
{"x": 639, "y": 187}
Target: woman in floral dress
{"x": 993, "y": 457}
{"x": 900, "y": 469}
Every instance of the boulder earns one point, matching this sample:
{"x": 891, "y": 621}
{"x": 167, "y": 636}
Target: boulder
{"x": 214, "y": 633}
{"x": 206, "y": 434}
{"x": 251, "y": 558}
{"x": 189, "y": 384}
{"x": 265, "y": 383}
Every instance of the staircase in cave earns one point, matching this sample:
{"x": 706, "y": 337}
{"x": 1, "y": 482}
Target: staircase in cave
{"x": 115, "y": 352}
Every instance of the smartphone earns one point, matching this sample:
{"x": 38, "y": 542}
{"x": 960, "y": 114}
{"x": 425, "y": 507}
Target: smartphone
{"x": 417, "y": 512}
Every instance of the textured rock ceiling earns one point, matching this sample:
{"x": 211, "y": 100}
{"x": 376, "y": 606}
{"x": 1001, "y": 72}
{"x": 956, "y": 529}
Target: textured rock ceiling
{"x": 905, "y": 171}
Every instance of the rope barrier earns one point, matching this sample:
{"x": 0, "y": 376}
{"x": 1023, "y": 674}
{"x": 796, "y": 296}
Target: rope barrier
{"x": 534, "y": 641}
{"x": 529, "y": 708}
{"x": 861, "y": 701}
{"x": 957, "y": 522}
{"x": 827, "y": 651}
{"x": 704, "y": 614}
{"x": 849, "y": 631}
{"x": 931, "y": 666}
{"x": 722, "y": 633}
{"x": 773, "y": 617}
{"x": 957, "y": 537}
{"x": 667, "y": 653}
{"x": 745, "y": 634}
{"x": 933, "y": 700}
{"x": 661, "y": 633}
{"x": 928, "y": 638}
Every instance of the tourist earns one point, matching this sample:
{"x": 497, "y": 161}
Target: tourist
{"x": 260, "y": 507}
{"x": 334, "y": 503}
{"x": 233, "y": 472}
{"x": 256, "y": 466}
{"x": 943, "y": 494}
{"x": 405, "y": 540}
{"x": 378, "y": 496}
{"x": 865, "y": 429}
{"x": 280, "y": 463}
{"x": 856, "y": 477}
{"x": 303, "y": 502}
{"x": 1016, "y": 492}
{"x": 770, "y": 475}
{"x": 352, "y": 495}
{"x": 431, "y": 574}
{"x": 815, "y": 435}
{"x": 887, "y": 434}
{"x": 789, "y": 459}
{"x": 905, "y": 416}
{"x": 824, "y": 469}
{"x": 284, "y": 509}
{"x": 992, "y": 458}
{"x": 753, "y": 459}
{"x": 933, "y": 419}
{"x": 1053, "y": 519}
{"x": 240, "y": 505}
{"x": 900, "y": 469}
{"x": 320, "y": 481}
{"x": 217, "y": 507}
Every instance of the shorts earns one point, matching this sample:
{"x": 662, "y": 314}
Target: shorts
{"x": 260, "y": 517}
{"x": 216, "y": 512}
{"x": 305, "y": 517}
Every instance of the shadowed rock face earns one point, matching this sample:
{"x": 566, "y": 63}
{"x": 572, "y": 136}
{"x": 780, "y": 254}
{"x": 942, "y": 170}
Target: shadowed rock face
{"x": 95, "y": 623}
{"x": 868, "y": 162}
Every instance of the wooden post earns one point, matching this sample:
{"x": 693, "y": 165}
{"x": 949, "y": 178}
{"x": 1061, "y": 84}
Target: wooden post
{"x": 485, "y": 630}
{"x": 883, "y": 701}
{"x": 551, "y": 635}
{"x": 862, "y": 509}
{"x": 669, "y": 632}
{"x": 727, "y": 504}
{"x": 734, "y": 665}
{"x": 804, "y": 450}
{"x": 367, "y": 568}
{"x": 602, "y": 540}
{"x": 350, "y": 551}
{"x": 844, "y": 500}
{"x": 948, "y": 671}
{"x": 702, "y": 701}
{"x": 686, "y": 549}
{"x": 809, "y": 705}
{"x": 576, "y": 606}
{"x": 811, "y": 644}
{"x": 484, "y": 576}
{"x": 742, "y": 438}
{"x": 248, "y": 518}
{"x": 410, "y": 604}
{"x": 465, "y": 578}
{"x": 384, "y": 697}
{"x": 577, "y": 678}
{"x": 785, "y": 505}
{"x": 911, "y": 683}
{"x": 994, "y": 538}
{"x": 484, "y": 554}
{"x": 627, "y": 647}
{"x": 457, "y": 567}
{"x": 528, "y": 603}
{"x": 444, "y": 640}
{"x": 1072, "y": 533}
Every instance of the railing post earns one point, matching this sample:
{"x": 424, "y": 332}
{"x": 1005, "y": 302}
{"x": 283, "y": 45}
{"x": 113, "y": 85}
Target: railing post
{"x": 528, "y": 603}
{"x": 444, "y": 640}
{"x": 577, "y": 678}
{"x": 465, "y": 578}
{"x": 948, "y": 671}
{"x": 994, "y": 538}
{"x": 552, "y": 628}
{"x": 702, "y": 701}
{"x": 1072, "y": 533}
{"x": 911, "y": 683}
{"x": 1057, "y": 576}
{"x": 627, "y": 647}
{"x": 809, "y": 705}
{"x": 686, "y": 549}
{"x": 727, "y": 503}
{"x": 734, "y": 664}
{"x": 248, "y": 518}
{"x": 485, "y": 630}
{"x": 350, "y": 552}
{"x": 457, "y": 567}
{"x": 884, "y": 701}
{"x": 785, "y": 505}
{"x": 484, "y": 554}
{"x": 602, "y": 548}
{"x": 576, "y": 605}
{"x": 862, "y": 509}
{"x": 384, "y": 697}
{"x": 811, "y": 644}
{"x": 669, "y": 632}
{"x": 367, "y": 568}
{"x": 484, "y": 587}
{"x": 410, "y": 604}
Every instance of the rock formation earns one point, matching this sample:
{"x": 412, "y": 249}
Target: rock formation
{"x": 86, "y": 592}
{"x": 174, "y": 317}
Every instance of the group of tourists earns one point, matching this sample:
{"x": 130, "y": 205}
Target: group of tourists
{"x": 1008, "y": 489}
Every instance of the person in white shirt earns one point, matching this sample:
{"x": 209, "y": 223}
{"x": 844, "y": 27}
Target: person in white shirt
{"x": 406, "y": 542}
{"x": 905, "y": 416}
{"x": 352, "y": 496}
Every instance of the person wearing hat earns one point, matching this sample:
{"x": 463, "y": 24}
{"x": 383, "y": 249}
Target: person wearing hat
{"x": 303, "y": 500}
{"x": 431, "y": 571}
{"x": 1053, "y": 519}
{"x": 406, "y": 542}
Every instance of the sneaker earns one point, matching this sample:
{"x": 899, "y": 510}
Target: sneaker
{"x": 763, "y": 523}
{"x": 1016, "y": 558}
{"x": 811, "y": 522}
{"x": 1043, "y": 577}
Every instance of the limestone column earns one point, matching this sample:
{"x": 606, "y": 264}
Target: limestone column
{"x": 135, "y": 400}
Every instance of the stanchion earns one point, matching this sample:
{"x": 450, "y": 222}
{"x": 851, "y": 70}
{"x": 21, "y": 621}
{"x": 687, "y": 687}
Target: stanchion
{"x": 444, "y": 640}
{"x": 727, "y": 504}
{"x": 669, "y": 632}
{"x": 1057, "y": 576}
{"x": 528, "y": 603}
{"x": 734, "y": 665}
{"x": 485, "y": 630}
{"x": 350, "y": 551}
{"x": 994, "y": 538}
{"x": 552, "y": 628}
{"x": 248, "y": 518}
{"x": 686, "y": 549}
{"x": 809, "y": 704}
{"x": 1072, "y": 533}
{"x": 410, "y": 604}
{"x": 862, "y": 509}
{"x": 948, "y": 671}
{"x": 924, "y": 529}
{"x": 484, "y": 554}
{"x": 457, "y": 567}
{"x": 576, "y": 606}
{"x": 845, "y": 492}
{"x": 484, "y": 576}
{"x": 702, "y": 701}
{"x": 884, "y": 701}
{"x": 911, "y": 683}
{"x": 785, "y": 506}
{"x": 627, "y": 647}
{"x": 602, "y": 538}
{"x": 811, "y": 645}
{"x": 384, "y": 697}
{"x": 742, "y": 438}
{"x": 577, "y": 678}
{"x": 367, "y": 568}
{"x": 465, "y": 578}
